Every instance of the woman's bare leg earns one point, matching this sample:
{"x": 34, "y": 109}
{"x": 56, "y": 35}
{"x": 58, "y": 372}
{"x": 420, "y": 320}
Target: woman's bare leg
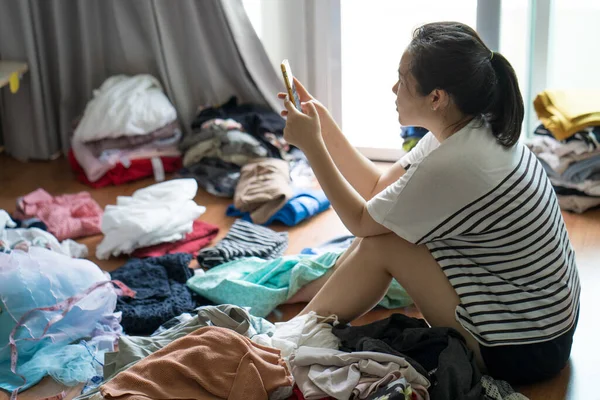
{"x": 363, "y": 277}
{"x": 309, "y": 291}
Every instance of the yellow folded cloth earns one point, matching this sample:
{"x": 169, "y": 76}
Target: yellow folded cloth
{"x": 566, "y": 112}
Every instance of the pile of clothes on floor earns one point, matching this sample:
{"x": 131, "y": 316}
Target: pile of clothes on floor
{"x": 567, "y": 143}
{"x": 58, "y": 317}
{"x": 129, "y": 131}
{"x": 238, "y": 151}
{"x": 51, "y": 222}
{"x": 308, "y": 357}
{"x": 155, "y": 327}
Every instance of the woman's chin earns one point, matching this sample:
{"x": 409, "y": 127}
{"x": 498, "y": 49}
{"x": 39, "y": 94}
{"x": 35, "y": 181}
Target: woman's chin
{"x": 405, "y": 121}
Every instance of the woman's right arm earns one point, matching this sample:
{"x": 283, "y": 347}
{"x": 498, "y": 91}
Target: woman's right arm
{"x": 359, "y": 171}
{"x": 362, "y": 173}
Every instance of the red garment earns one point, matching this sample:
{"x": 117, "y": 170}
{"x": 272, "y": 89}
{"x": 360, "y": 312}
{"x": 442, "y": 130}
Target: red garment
{"x": 69, "y": 216}
{"x": 138, "y": 169}
{"x": 297, "y": 395}
{"x": 199, "y": 238}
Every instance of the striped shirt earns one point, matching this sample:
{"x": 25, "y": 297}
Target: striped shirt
{"x": 244, "y": 239}
{"x": 490, "y": 218}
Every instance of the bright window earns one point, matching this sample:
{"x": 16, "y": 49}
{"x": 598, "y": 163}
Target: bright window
{"x": 550, "y": 44}
{"x": 573, "y": 59}
{"x": 254, "y": 10}
{"x": 514, "y": 33}
{"x": 374, "y": 36}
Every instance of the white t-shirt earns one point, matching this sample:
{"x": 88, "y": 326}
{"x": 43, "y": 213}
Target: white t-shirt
{"x": 490, "y": 218}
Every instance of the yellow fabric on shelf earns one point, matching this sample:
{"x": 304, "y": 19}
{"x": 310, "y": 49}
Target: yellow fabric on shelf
{"x": 566, "y": 112}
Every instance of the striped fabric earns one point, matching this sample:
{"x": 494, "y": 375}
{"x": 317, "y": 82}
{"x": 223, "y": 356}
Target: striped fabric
{"x": 245, "y": 239}
{"x": 508, "y": 256}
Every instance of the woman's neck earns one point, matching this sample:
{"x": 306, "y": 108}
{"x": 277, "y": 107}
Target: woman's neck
{"x": 448, "y": 125}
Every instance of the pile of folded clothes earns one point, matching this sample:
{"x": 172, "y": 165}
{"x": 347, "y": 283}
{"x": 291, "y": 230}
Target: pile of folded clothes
{"x": 225, "y": 138}
{"x": 129, "y": 131}
{"x": 567, "y": 144}
{"x": 238, "y": 151}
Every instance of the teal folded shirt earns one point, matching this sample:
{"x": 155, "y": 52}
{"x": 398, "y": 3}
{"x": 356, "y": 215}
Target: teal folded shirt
{"x": 264, "y": 284}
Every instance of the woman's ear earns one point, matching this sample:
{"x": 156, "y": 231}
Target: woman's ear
{"x": 439, "y": 99}
{"x": 434, "y": 100}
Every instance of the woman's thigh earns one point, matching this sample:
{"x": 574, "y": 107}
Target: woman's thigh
{"x": 420, "y": 275}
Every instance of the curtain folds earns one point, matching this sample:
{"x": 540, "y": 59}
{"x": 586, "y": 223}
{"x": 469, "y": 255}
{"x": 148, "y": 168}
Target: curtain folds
{"x": 203, "y": 52}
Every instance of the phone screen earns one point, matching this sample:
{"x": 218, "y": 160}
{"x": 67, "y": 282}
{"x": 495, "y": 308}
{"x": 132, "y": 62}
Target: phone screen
{"x": 288, "y": 79}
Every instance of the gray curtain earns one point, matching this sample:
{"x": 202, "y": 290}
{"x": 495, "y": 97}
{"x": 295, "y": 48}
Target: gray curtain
{"x": 203, "y": 52}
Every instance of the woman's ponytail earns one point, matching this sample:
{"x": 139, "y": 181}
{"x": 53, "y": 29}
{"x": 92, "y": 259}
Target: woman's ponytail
{"x": 451, "y": 56}
{"x": 505, "y": 113}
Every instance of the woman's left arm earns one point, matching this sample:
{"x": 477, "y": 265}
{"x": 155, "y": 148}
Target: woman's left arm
{"x": 304, "y": 131}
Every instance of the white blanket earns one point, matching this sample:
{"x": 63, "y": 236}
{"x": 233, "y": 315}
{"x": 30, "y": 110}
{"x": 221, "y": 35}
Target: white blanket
{"x": 160, "y": 213}
{"x": 125, "y": 105}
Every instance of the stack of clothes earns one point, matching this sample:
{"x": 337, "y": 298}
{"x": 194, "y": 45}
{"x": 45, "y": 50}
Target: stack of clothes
{"x": 225, "y": 138}
{"x": 568, "y": 146}
{"x": 238, "y": 151}
{"x": 129, "y": 131}
{"x": 411, "y": 136}
{"x": 264, "y": 194}
{"x": 161, "y": 214}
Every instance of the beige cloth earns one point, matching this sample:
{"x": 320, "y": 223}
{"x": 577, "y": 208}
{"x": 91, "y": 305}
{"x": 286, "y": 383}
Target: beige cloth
{"x": 209, "y": 363}
{"x": 263, "y": 188}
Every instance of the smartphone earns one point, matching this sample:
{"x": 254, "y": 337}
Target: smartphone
{"x": 288, "y": 79}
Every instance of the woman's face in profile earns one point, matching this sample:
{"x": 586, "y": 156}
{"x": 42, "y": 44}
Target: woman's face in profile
{"x": 409, "y": 103}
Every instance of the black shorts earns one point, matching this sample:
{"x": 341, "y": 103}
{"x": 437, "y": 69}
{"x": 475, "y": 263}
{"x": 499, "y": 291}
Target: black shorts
{"x": 529, "y": 363}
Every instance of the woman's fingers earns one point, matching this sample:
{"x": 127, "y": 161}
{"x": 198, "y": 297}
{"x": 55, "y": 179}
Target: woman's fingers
{"x": 289, "y": 106}
{"x": 283, "y": 96}
{"x": 302, "y": 92}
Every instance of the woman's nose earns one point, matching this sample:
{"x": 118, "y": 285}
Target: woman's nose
{"x": 395, "y": 88}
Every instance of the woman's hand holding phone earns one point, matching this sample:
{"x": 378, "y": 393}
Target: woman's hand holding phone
{"x": 327, "y": 122}
{"x": 303, "y": 95}
{"x": 303, "y": 127}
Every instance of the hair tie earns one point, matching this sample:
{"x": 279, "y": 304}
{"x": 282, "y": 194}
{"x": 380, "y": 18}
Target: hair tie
{"x": 491, "y": 55}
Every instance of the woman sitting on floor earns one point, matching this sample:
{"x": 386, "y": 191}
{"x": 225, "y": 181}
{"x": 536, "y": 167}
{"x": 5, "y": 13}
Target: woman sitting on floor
{"x": 467, "y": 222}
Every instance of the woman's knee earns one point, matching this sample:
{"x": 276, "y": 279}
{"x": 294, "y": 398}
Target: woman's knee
{"x": 384, "y": 244}
{"x": 396, "y": 253}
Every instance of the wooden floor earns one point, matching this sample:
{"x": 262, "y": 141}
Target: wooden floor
{"x": 577, "y": 381}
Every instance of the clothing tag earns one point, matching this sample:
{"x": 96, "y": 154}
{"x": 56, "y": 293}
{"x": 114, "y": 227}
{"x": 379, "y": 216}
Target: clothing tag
{"x": 158, "y": 168}
{"x": 126, "y": 162}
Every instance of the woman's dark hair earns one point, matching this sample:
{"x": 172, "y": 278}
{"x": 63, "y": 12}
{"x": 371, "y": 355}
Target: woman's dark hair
{"x": 452, "y": 57}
